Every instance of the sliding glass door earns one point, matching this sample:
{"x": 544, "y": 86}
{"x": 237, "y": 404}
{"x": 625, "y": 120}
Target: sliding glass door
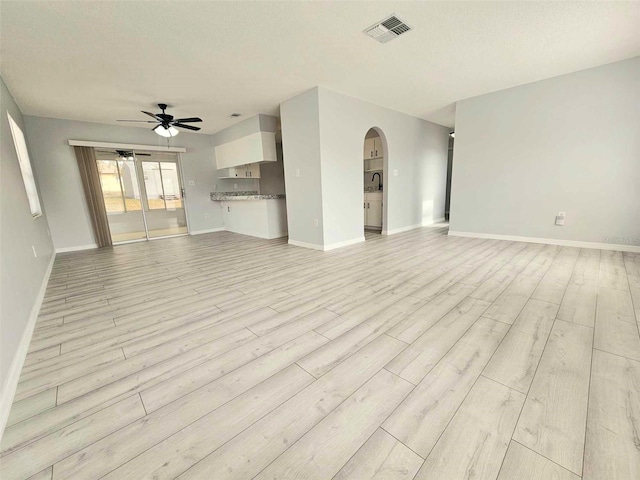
{"x": 143, "y": 194}
{"x": 164, "y": 206}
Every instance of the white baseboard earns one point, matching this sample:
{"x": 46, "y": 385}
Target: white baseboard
{"x": 77, "y": 248}
{"x": 393, "y": 231}
{"x": 346, "y": 243}
{"x": 210, "y": 230}
{"x": 277, "y": 235}
{"x": 325, "y": 248}
{"x": 313, "y": 246}
{"x": 412, "y": 227}
{"x": 550, "y": 241}
{"x": 11, "y": 382}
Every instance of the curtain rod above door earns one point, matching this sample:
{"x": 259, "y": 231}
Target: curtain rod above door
{"x": 155, "y": 148}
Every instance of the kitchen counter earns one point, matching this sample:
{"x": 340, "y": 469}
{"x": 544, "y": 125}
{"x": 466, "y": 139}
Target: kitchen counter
{"x": 226, "y": 196}
{"x": 265, "y": 216}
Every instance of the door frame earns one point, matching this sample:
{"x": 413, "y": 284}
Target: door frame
{"x": 143, "y": 193}
{"x": 143, "y": 188}
{"x": 385, "y": 176}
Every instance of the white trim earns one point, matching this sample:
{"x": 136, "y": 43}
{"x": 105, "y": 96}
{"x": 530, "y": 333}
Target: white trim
{"x": 155, "y": 148}
{"x": 353, "y": 241}
{"x": 400, "y": 230}
{"x": 325, "y": 248}
{"x": 412, "y": 227}
{"x": 151, "y": 239}
{"x": 76, "y": 248}
{"x": 210, "y": 230}
{"x": 126, "y": 242}
{"x": 550, "y": 241}
{"x": 306, "y": 245}
{"x": 11, "y": 382}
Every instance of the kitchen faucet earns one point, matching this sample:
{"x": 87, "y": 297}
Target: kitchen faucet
{"x": 379, "y": 180}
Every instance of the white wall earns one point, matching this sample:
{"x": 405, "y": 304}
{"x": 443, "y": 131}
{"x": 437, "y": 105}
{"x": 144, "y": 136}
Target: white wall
{"x": 569, "y": 143}
{"x": 415, "y": 148}
{"x": 22, "y": 276}
{"x": 61, "y": 186}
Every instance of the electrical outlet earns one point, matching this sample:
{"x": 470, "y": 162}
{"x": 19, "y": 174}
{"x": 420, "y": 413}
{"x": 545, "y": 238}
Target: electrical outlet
{"x": 315, "y": 222}
{"x": 297, "y": 172}
{"x": 235, "y": 186}
{"x": 35, "y": 254}
{"x": 395, "y": 173}
{"x": 192, "y": 183}
{"x": 215, "y": 187}
{"x": 560, "y": 218}
{"x": 206, "y": 215}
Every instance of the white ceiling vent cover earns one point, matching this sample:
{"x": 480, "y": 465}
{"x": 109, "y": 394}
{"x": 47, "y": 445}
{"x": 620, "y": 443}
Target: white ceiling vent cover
{"x": 387, "y": 29}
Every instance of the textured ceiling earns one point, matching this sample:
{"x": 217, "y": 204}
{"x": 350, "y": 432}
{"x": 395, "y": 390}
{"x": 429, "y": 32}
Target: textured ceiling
{"x": 101, "y": 61}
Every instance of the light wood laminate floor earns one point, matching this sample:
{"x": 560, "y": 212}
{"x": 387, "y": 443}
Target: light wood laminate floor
{"x": 415, "y": 356}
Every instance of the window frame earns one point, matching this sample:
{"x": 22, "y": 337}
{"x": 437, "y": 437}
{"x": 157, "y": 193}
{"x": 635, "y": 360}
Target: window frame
{"x": 26, "y": 169}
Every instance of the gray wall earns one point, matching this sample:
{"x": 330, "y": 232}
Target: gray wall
{"x": 22, "y": 275}
{"x": 415, "y": 148}
{"x": 323, "y": 134}
{"x": 272, "y": 174}
{"x": 300, "y": 122}
{"x": 62, "y": 189}
{"x": 570, "y": 143}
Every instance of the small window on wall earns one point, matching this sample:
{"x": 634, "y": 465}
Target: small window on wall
{"x": 25, "y": 167}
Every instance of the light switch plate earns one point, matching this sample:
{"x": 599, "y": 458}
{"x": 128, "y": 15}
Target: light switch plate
{"x": 560, "y": 218}
{"x": 395, "y": 173}
{"x": 192, "y": 183}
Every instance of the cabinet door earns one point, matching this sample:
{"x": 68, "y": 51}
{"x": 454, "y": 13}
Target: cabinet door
{"x": 226, "y": 214}
{"x": 374, "y": 212}
{"x": 377, "y": 147}
{"x": 365, "y": 212}
{"x": 369, "y": 147}
{"x": 253, "y": 170}
{"x": 231, "y": 172}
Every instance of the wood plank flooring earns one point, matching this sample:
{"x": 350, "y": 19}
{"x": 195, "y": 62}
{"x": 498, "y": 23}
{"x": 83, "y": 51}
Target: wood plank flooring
{"x": 415, "y": 356}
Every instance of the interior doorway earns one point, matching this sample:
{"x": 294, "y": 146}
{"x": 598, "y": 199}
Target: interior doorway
{"x": 373, "y": 164}
{"x": 143, "y": 194}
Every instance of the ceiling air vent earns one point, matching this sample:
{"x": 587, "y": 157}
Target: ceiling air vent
{"x": 388, "y": 29}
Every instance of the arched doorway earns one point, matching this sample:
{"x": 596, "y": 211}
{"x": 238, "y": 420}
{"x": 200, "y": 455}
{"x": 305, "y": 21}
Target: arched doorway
{"x": 374, "y": 169}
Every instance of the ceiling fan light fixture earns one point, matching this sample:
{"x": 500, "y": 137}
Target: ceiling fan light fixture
{"x": 166, "y": 132}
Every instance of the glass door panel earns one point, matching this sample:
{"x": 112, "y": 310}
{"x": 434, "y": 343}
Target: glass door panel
{"x": 121, "y": 193}
{"x": 164, "y": 206}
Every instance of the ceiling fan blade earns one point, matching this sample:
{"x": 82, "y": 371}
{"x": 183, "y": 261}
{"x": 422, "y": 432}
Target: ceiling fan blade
{"x": 188, "y": 120}
{"x": 139, "y": 121}
{"x": 182, "y": 125}
{"x": 152, "y": 115}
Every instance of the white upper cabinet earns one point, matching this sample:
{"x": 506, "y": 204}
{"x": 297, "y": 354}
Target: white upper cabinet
{"x": 253, "y": 170}
{"x": 372, "y": 148}
{"x": 244, "y": 171}
{"x": 369, "y": 147}
{"x": 254, "y": 148}
{"x": 377, "y": 147}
